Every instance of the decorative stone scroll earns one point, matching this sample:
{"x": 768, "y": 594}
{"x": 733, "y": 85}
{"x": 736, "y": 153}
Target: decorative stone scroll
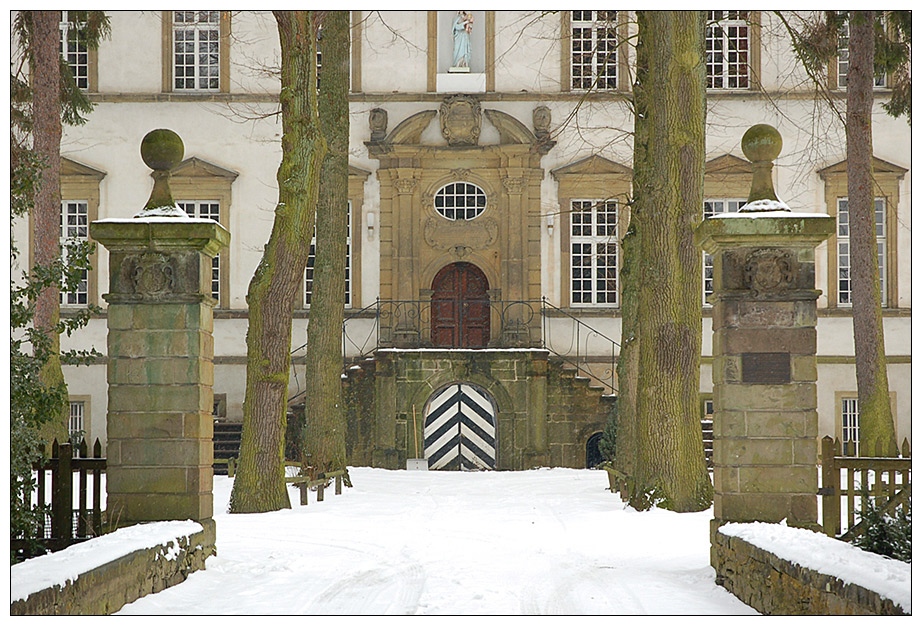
{"x": 447, "y": 235}
{"x": 460, "y": 120}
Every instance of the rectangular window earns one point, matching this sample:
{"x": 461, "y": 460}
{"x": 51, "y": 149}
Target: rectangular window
{"x": 75, "y": 425}
{"x": 208, "y": 210}
{"x": 196, "y": 50}
{"x": 74, "y": 49}
{"x": 594, "y": 49}
{"x": 593, "y": 252}
{"x": 880, "y": 80}
{"x": 850, "y": 427}
{"x": 74, "y": 220}
{"x": 711, "y": 208}
{"x": 844, "y": 258}
{"x": 309, "y": 272}
{"x": 727, "y": 49}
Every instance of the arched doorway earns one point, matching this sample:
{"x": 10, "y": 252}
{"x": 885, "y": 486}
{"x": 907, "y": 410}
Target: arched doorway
{"x": 460, "y": 307}
{"x": 459, "y": 430}
{"x": 593, "y": 454}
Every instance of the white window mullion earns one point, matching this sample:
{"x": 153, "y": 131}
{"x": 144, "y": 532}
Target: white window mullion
{"x": 593, "y": 253}
{"x": 593, "y": 49}
{"x": 75, "y": 51}
{"x": 712, "y": 207}
{"x": 727, "y": 50}
{"x": 209, "y": 209}
{"x": 74, "y": 224}
{"x": 843, "y": 255}
{"x": 851, "y": 433}
{"x": 196, "y": 50}
{"x": 309, "y": 271}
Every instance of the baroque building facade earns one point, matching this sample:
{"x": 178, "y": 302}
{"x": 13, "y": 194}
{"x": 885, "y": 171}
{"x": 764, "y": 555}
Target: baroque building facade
{"x": 487, "y": 202}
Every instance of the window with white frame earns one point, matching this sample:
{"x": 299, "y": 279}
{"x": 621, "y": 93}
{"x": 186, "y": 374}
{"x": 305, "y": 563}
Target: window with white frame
{"x": 75, "y": 423}
{"x": 74, "y": 221}
{"x": 209, "y": 210}
{"x": 309, "y": 272}
{"x": 844, "y": 257}
{"x": 74, "y": 49}
{"x": 851, "y": 433}
{"x": 713, "y": 207}
{"x": 593, "y": 252}
{"x": 460, "y": 201}
{"x": 593, "y": 49}
{"x": 196, "y": 50}
{"x": 880, "y": 80}
{"x": 727, "y": 49}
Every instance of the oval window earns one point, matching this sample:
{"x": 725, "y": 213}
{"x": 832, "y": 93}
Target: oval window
{"x": 460, "y": 201}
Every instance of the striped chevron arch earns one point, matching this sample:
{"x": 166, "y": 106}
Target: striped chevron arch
{"x": 460, "y": 429}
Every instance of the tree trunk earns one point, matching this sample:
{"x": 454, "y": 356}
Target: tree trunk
{"x": 669, "y": 463}
{"x": 46, "y": 212}
{"x": 876, "y": 420}
{"x": 260, "y": 482}
{"x": 324, "y": 437}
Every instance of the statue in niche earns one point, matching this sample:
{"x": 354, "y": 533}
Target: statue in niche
{"x": 461, "y": 32}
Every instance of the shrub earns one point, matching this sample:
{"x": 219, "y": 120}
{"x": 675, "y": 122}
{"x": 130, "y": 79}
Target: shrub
{"x": 885, "y": 534}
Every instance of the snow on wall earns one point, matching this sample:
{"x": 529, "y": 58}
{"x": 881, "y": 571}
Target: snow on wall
{"x": 887, "y": 577}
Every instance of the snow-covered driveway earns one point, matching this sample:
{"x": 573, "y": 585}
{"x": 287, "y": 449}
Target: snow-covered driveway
{"x": 550, "y": 541}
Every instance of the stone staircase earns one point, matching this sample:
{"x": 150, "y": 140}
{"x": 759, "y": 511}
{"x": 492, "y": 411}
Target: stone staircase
{"x": 226, "y": 443}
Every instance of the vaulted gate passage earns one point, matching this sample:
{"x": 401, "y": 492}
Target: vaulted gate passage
{"x": 460, "y": 429}
{"x": 460, "y": 307}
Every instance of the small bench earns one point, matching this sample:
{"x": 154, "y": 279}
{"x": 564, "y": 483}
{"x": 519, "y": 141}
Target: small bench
{"x": 304, "y": 483}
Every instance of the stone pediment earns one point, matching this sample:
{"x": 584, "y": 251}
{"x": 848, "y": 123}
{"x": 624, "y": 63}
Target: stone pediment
{"x": 195, "y": 167}
{"x": 357, "y": 172}
{"x": 69, "y": 167}
{"x": 728, "y": 164}
{"x": 510, "y": 129}
{"x": 879, "y": 165}
{"x": 593, "y": 165}
{"x": 411, "y": 129}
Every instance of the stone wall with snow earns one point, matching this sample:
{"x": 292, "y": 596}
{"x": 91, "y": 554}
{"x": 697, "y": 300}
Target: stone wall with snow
{"x": 101, "y": 575}
{"x": 778, "y": 570}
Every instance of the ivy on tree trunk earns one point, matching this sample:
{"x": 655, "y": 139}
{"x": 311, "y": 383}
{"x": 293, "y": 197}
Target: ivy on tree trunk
{"x": 324, "y": 436}
{"x": 259, "y": 485}
{"x": 669, "y": 467}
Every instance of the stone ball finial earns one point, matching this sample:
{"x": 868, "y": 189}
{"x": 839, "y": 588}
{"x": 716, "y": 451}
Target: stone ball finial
{"x": 162, "y": 149}
{"x": 762, "y": 142}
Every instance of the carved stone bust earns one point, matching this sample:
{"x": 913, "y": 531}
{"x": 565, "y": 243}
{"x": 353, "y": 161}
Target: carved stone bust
{"x": 377, "y": 121}
{"x": 460, "y": 119}
{"x": 541, "y": 120}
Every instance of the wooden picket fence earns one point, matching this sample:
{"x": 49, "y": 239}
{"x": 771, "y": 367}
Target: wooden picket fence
{"x": 67, "y": 524}
{"x": 886, "y": 481}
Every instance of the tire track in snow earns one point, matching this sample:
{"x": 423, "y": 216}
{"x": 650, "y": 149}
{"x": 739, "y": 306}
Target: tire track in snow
{"x": 387, "y": 590}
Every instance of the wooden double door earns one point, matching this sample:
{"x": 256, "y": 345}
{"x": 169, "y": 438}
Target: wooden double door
{"x": 460, "y": 313}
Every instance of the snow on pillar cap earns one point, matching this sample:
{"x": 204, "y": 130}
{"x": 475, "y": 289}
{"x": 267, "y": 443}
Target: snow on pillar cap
{"x": 161, "y": 150}
{"x": 762, "y": 144}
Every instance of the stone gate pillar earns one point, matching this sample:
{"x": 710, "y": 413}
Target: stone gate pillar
{"x": 764, "y": 318}
{"x": 160, "y": 353}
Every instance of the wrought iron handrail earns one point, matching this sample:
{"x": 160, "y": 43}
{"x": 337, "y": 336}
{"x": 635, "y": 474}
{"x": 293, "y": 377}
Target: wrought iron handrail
{"x": 521, "y": 323}
{"x": 580, "y": 361}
